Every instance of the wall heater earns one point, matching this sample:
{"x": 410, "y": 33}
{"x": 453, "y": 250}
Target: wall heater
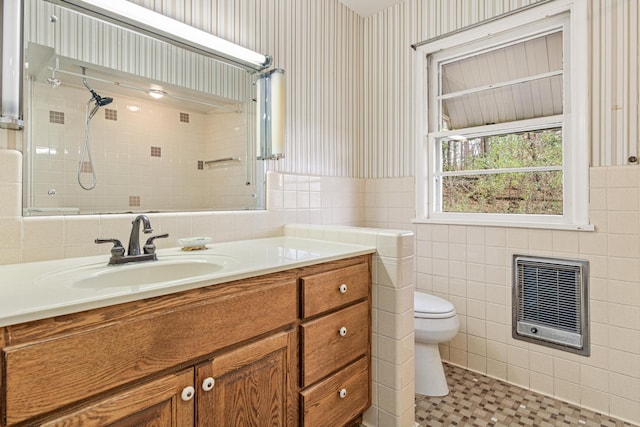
{"x": 550, "y": 303}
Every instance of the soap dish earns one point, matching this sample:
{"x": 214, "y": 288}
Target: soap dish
{"x": 194, "y": 243}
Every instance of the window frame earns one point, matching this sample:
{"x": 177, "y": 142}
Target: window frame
{"x": 533, "y": 22}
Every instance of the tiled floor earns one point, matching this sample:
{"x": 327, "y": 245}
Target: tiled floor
{"x": 476, "y": 400}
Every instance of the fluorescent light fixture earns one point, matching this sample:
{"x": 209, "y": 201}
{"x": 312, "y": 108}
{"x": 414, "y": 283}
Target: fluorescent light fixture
{"x": 156, "y": 94}
{"x": 146, "y": 21}
{"x": 11, "y": 77}
{"x": 270, "y": 114}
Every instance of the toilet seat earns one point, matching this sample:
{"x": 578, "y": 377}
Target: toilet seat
{"x": 427, "y": 306}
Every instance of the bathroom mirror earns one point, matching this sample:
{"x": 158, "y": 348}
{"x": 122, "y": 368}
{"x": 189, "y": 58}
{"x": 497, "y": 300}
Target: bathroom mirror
{"x": 116, "y": 121}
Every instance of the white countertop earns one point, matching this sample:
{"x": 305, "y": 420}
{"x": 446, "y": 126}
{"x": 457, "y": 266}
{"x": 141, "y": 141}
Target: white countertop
{"x": 37, "y": 290}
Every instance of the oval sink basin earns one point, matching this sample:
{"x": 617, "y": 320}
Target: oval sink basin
{"x": 167, "y": 269}
{"x": 147, "y": 273}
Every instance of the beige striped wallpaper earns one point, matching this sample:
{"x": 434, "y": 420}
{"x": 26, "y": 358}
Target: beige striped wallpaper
{"x": 349, "y": 79}
{"x": 614, "y": 71}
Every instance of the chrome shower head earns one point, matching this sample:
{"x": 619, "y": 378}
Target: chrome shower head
{"x": 100, "y": 101}
{"x": 104, "y": 101}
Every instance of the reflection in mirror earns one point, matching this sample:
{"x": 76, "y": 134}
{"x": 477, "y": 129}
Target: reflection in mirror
{"x": 119, "y": 122}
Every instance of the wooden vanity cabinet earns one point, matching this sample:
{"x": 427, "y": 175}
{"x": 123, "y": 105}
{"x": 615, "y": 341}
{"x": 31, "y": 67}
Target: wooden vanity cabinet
{"x": 335, "y": 339}
{"x": 69, "y": 364}
{"x": 223, "y": 355}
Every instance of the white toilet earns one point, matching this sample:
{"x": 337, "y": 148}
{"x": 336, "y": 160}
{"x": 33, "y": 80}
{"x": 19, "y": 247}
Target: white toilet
{"x": 435, "y": 321}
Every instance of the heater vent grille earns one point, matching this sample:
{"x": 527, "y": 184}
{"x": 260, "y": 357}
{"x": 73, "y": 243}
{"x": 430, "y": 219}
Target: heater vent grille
{"x": 550, "y": 302}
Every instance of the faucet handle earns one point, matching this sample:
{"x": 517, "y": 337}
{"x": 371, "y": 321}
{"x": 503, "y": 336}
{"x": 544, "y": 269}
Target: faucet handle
{"x": 117, "y": 250}
{"x": 150, "y": 247}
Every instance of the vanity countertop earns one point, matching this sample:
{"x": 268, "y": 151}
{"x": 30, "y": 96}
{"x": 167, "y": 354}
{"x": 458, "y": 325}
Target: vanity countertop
{"x": 37, "y": 290}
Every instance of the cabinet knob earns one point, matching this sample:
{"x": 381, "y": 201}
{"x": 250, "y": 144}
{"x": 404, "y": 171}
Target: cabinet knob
{"x": 343, "y": 288}
{"x": 187, "y": 393}
{"x": 208, "y": 384}
{"x": 343, "y": 331}
{"x": 342, "y": 393}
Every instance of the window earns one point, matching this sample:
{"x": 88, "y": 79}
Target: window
{"x": 505, "y": 140}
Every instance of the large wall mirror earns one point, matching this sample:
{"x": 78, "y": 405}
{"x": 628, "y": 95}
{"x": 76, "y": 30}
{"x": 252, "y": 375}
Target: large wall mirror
{"x": 116, "y": 121}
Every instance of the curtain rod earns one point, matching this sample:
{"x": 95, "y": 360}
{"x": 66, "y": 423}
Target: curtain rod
{"x": 128, "y": 86}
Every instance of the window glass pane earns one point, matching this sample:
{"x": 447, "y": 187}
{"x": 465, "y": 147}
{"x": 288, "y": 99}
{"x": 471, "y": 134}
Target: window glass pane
{"x": 512, "y": 193}
{"x": 526, "y": 100}
{"x": 525, "y": 59}
{"x": 515, "y": 150}
{"x": 505, "y": 84}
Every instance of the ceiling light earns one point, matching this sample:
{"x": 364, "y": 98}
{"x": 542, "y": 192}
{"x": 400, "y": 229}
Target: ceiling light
{"x": 157, "y": 94}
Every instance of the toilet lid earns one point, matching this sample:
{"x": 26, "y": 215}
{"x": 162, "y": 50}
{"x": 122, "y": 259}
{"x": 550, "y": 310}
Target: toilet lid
{"x": 427, "y": 305}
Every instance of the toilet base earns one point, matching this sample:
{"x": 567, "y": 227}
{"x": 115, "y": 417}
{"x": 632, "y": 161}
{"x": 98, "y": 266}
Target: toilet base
{"x": 430, "y": 378}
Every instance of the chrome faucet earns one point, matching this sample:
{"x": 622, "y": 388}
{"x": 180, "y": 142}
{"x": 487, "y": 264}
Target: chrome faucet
{"x": 134, "y": 238}
{"x": 133, "y": 254}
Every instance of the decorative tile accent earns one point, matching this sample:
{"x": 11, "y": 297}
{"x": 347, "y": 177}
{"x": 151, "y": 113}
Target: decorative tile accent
{"x": 156, "y": 151}
{"x": 134, "y": 200}
{"x": 110, "y": 114}
{"x": 56, "y": 117}
{"x": 86, "y": 167}
{"x": 475, "y": 400}
{"x": 184, "y": 117}
{"x": 200, "y": 164}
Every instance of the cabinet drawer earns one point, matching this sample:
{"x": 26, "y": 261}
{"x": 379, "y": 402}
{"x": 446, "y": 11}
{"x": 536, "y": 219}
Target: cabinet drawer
{"x": 323, "y": 404}
{"x": 88, "y": 362}
{"x": 325, "y": 349}
{"x": 321, "y": 292}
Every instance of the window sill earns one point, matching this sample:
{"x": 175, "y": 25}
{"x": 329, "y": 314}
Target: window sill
{"x": 538, "y": 225}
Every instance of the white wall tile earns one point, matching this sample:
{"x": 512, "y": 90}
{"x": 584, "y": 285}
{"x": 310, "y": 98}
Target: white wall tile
{"x": 595, "y": 400}
{"x": 567, "y": 391}
{"x": 624, "y": 386}
{"x": 625, "y": 409}
{"x": 594, "y": 378}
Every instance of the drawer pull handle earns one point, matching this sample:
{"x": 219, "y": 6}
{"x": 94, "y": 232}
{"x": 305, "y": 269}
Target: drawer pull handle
{"x": 187, "y": 393}
{"x": 343, "y": 289}
{"x": 343, "y": 331}
{"x": 343, "y": 393}
{"x": 207, "y": 384}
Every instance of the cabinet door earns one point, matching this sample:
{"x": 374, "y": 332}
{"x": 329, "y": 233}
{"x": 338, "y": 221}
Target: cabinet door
{"x": 246, "y": 386}
{"x": 167, "y": 401}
